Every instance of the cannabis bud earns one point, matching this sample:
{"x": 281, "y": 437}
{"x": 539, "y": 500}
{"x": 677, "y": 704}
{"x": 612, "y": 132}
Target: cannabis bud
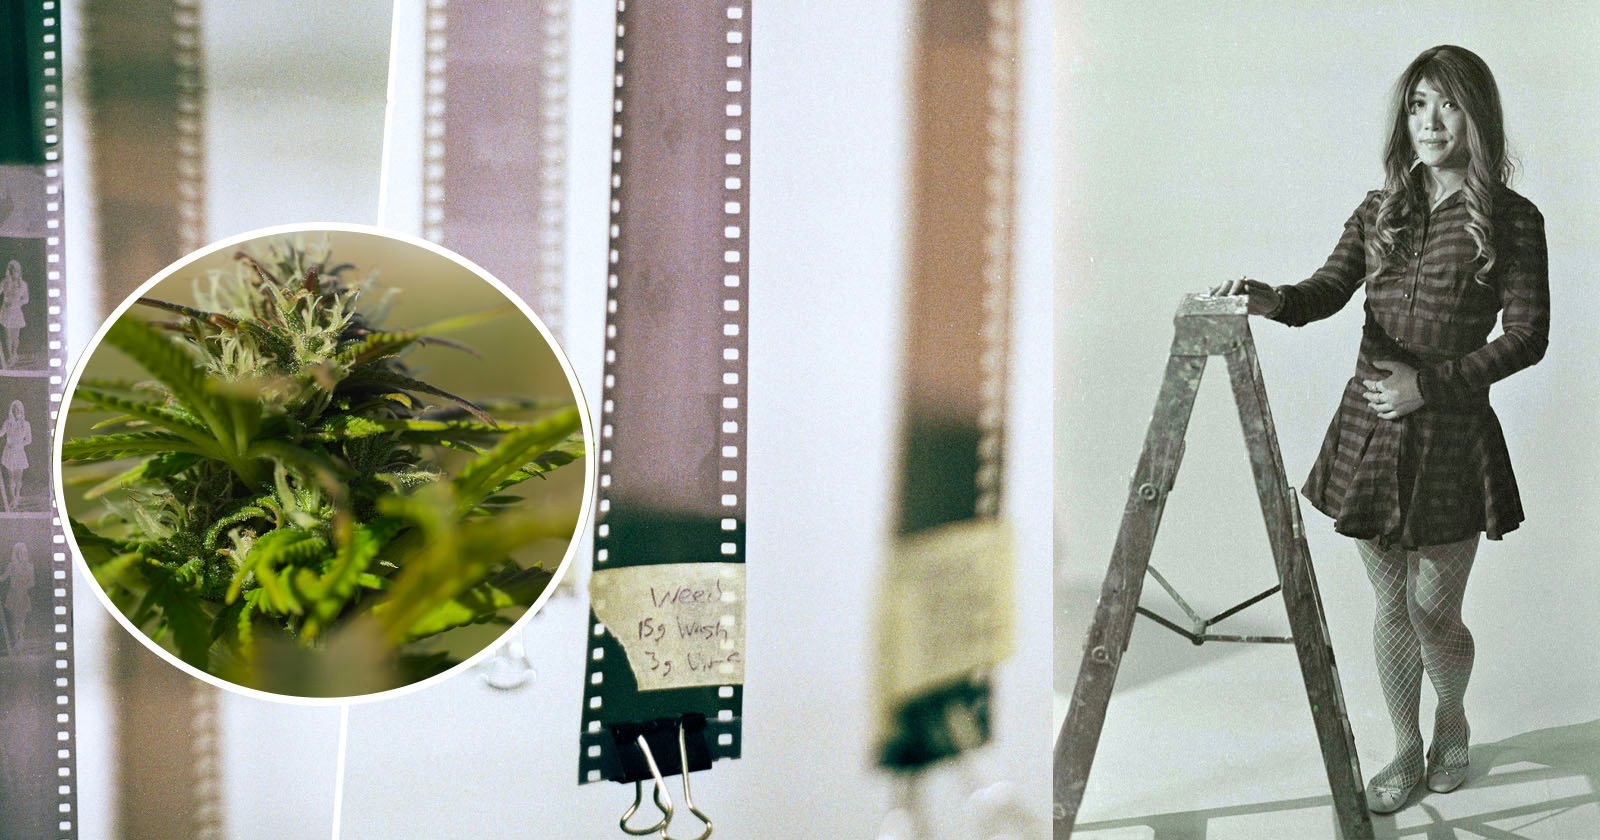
{"x": 282, "y": 475}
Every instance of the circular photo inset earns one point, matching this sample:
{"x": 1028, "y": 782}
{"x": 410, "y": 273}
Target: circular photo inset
{"x": 323, "y": 463}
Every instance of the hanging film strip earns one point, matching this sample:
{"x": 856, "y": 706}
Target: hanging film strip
{"x": 146, "y": 98}
{"x": 951, "y": 545}
{"x": 494, "y": 92}
{"x": 38, "y": 716}
{"x": 666, "y": 643}
{"x": 494, "y": 100}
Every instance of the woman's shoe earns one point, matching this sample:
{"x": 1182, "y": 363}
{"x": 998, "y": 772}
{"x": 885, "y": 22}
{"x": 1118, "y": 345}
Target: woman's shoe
{"x": 1446, "y": 779}
{"x": 1387, "y": 798}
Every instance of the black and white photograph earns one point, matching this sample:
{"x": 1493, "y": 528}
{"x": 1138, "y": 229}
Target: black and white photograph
{"x": 1373, "y": 219}
{"x": 24, "y": 445}
{"x": 28, "y": 657}
{"x": 23, "y": 305}
{"x": 22, "y": 202}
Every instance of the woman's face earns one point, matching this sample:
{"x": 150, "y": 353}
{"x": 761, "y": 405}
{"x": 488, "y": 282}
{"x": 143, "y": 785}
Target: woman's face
{"x": 1438, "y": 128}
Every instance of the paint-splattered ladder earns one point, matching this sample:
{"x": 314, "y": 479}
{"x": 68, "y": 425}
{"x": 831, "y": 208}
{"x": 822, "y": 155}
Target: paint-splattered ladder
{"x": 1206, "y": 327}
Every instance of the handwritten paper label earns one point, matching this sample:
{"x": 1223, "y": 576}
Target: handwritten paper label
{"x": 681, "y": 624}
{"x": 946, "y": 609}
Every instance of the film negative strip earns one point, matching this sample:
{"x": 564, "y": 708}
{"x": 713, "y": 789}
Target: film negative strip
{"x": 666, "y": 642}
{"x": 951, "y": 544}
{"x": 495, "y": 93}
{"x": 494, "y": 167}
{"x": 38, "y": 741}
{"x": 167, "y": 731}
{"x": 146, "y": 99}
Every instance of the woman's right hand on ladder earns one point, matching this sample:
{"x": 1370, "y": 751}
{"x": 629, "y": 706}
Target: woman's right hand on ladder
{"x": 1264, "y": 299}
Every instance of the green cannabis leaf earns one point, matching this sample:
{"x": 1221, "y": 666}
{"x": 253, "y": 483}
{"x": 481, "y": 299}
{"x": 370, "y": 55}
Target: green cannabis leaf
{"x": 281, "y": 474}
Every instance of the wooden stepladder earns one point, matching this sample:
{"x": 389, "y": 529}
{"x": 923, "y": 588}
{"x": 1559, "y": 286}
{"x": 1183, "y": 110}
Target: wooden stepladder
{"x": 1207, "y": 327}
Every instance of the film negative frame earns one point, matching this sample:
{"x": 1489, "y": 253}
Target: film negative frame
{"x": 39, "y": 790}
{"x": 494, "y": 141}
{"x": 693, "y": 59}
{"x": 965, "y": 91}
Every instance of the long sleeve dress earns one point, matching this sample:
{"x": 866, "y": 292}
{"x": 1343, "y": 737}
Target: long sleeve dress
{"x": 13, "y": 296}
{"x": 18, "y": 578}
{"x": 1441, "y": 473}
{"x": 18, "y": 436}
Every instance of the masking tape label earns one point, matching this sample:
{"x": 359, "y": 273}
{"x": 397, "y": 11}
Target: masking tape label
{"x": 681, "y": 624}
{"x": 946, "y": 609}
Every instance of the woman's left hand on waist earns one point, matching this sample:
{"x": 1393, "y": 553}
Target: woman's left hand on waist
{"x": 1397, "y": 394}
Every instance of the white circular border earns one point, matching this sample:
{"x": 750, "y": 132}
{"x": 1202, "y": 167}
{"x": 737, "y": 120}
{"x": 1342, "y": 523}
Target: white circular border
{"x": 585, "y": 512}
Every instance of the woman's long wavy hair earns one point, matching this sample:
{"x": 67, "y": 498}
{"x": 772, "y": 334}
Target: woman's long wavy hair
{"x": 1461, "y": 76}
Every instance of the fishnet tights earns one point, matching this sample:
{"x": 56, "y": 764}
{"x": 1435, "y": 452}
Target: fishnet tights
{"x": 1418, "y": 628}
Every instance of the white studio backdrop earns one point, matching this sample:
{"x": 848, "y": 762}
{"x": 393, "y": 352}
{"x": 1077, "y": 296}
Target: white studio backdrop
{"x": 1199, "y": 143}
{"x": 828, "y": 201}
{"x": 294, "y": 110}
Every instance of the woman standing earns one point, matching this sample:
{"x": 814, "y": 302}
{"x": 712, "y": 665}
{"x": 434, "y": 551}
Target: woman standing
{"x": 14, "y": 458}
{"x": 18, "y": 577}
{"x": 1414, "y": 465}
{"x": 13, "y": 295}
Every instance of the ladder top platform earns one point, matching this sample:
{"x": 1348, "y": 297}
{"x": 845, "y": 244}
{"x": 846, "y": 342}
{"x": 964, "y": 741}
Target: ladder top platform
{"x": 1204, "y": 304}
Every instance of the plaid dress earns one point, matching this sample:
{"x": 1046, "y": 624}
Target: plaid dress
{"x": 1441, "y": 473}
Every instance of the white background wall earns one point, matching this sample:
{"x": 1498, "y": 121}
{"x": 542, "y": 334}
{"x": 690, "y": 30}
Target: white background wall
{"x": 1198, "y": 143}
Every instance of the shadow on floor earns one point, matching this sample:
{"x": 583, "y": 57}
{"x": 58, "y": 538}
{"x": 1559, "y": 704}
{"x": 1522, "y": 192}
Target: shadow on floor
{"x": 1539, "y": 759}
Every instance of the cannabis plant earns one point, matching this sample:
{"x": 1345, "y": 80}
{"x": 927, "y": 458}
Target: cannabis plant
{"x": 282, "y": 476}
